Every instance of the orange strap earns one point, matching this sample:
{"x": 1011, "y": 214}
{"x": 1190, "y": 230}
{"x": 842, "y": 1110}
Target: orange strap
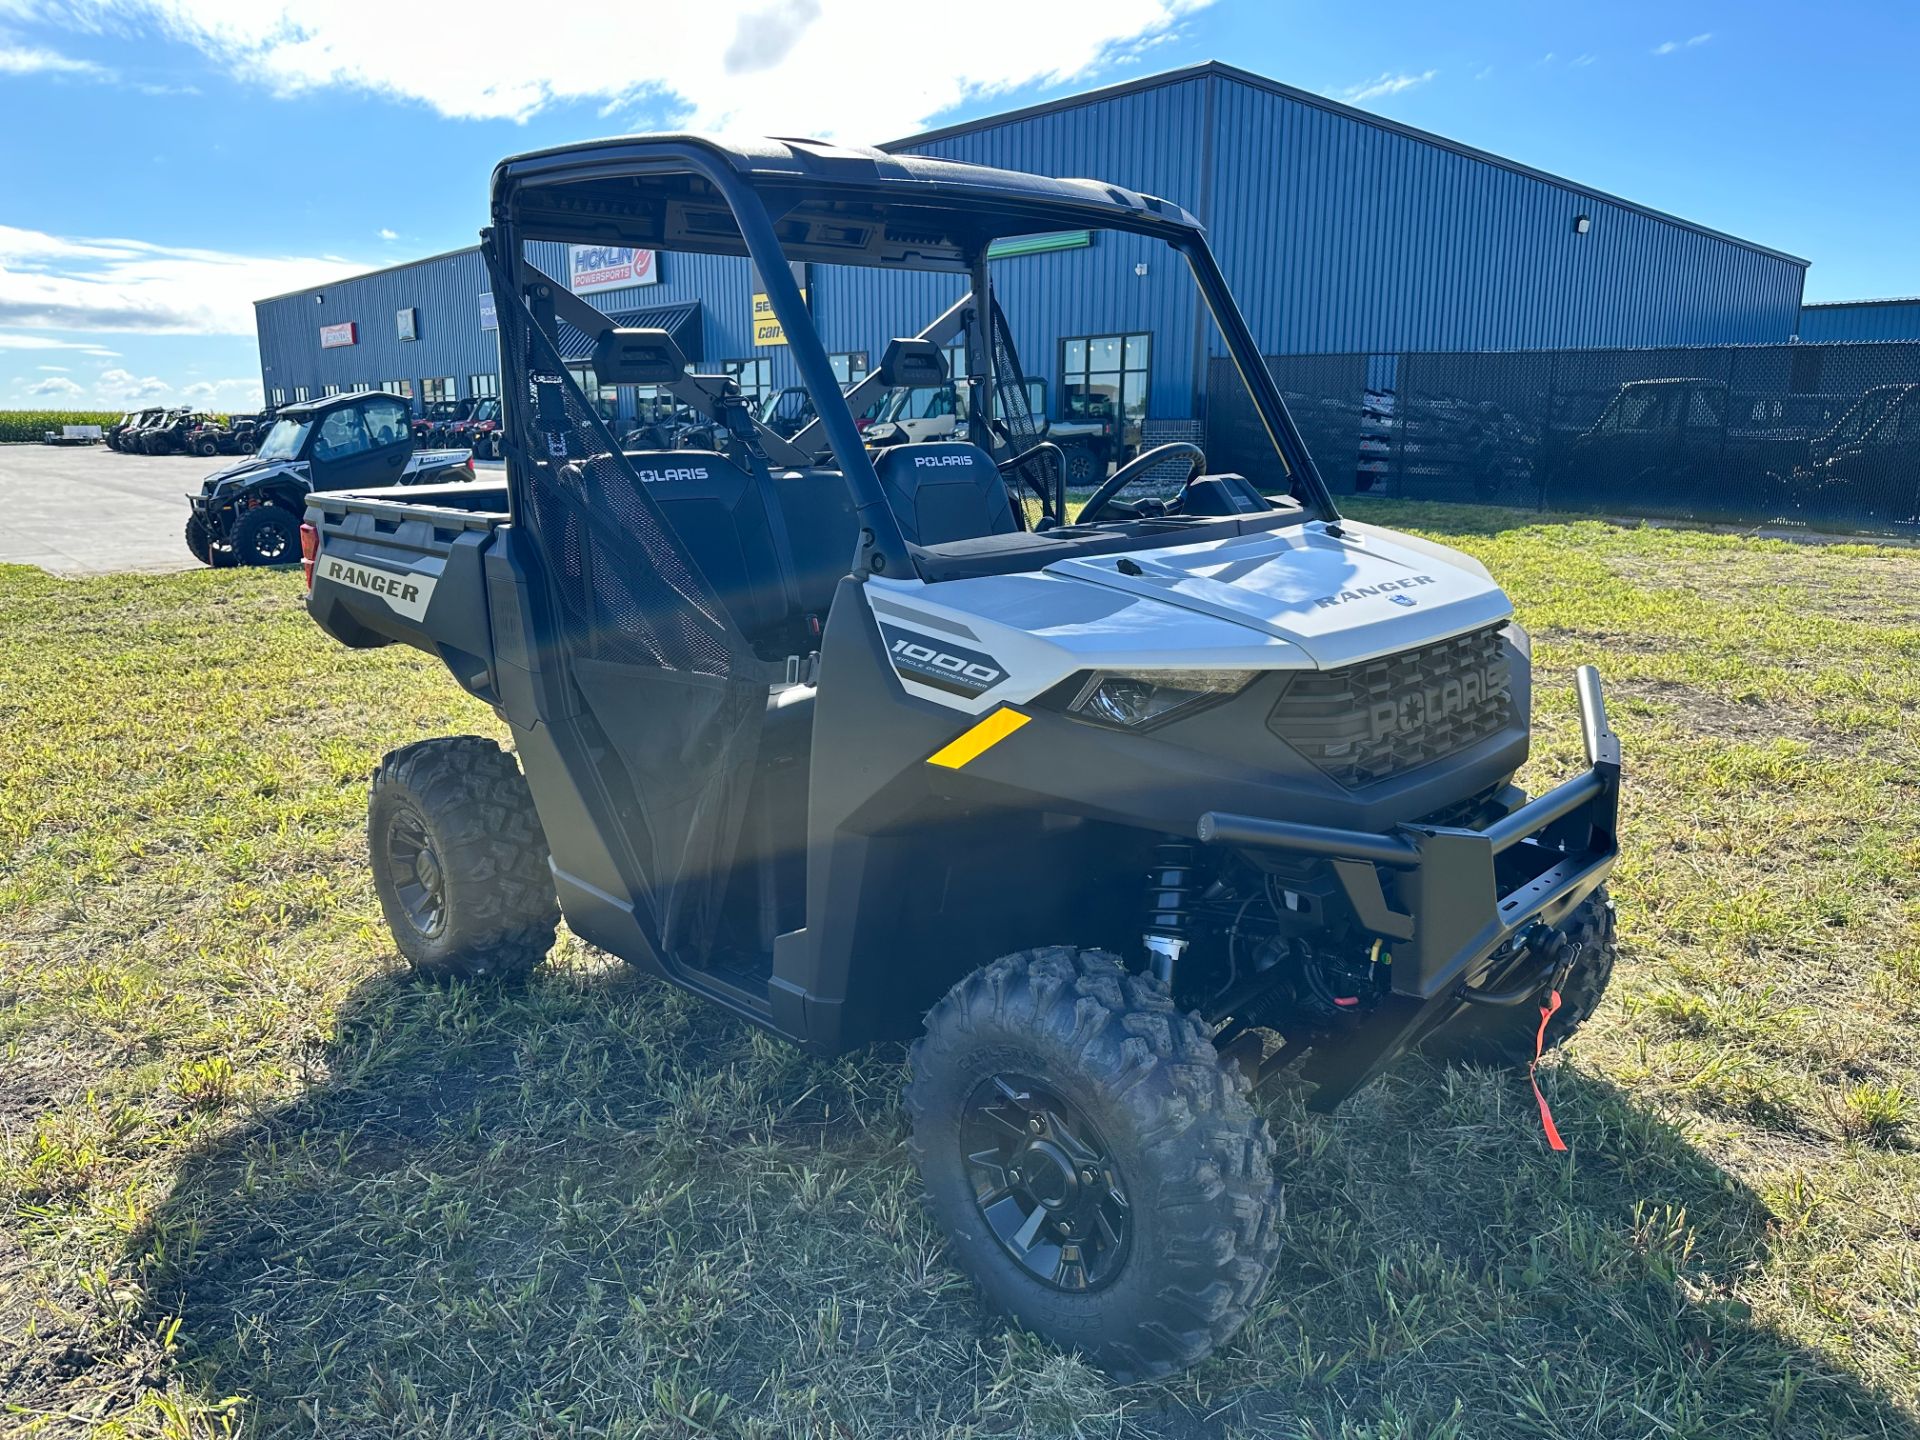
{"x": 1539, "y": 1045}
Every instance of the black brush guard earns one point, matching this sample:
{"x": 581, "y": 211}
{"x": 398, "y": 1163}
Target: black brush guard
{"x": 1470, "y": 895}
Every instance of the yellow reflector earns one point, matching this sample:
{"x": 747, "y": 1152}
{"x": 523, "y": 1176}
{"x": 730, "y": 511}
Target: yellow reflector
{"x": 980, "y": 739}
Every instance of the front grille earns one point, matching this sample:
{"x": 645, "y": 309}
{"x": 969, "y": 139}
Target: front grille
{"x": 1382, "y": 718}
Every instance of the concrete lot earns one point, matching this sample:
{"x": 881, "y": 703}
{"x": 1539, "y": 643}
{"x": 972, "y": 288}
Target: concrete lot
{"x": 90, "y": 510}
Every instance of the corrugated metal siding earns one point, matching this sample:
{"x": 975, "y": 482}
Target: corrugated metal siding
{"x": 1147, "y": 141}
{"x": 1340, "y": 236}
{"x": 446, "y": 290}
{"x": 1861, "y": 320}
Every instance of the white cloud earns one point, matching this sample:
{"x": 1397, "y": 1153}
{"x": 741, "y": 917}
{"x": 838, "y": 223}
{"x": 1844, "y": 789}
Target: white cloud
{"x": 240, "y": 393}
{"x": 53, "y": 385}
{"x": 1387, "y": 83}
{"x": 850, "y": 69}
{"x": 66, "y": 283}
{"x": 386, "y": 234}
{"x": 30, "y": 60}
{"x": 1483, "y": 73}
{"x": 12, "y": 341}
{"x": 125, "y": 385}
{"x": 1580, "y": 60}
{"x": 1667, "y": 47}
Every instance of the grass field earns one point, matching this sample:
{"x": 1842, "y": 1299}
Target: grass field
{"x": 256, "y": 1181}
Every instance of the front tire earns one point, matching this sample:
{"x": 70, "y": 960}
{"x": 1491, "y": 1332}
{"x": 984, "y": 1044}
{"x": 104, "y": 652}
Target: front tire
{"x": 199, "y": 540}
{"x": 1503, "y": 1036}
{"x": 460, "y": 861}
{"x": 266, "y": 535}
{"x": 1096, "y": 1167}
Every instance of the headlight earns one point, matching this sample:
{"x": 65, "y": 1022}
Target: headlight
{"x": 1132, "y": 702}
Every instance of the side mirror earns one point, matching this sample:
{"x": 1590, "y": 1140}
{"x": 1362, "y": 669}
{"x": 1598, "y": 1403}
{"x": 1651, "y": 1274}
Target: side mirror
{"x": 638, "y": 357}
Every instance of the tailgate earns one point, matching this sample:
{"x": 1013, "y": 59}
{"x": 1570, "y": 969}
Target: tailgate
{"x": 400, "y": 570}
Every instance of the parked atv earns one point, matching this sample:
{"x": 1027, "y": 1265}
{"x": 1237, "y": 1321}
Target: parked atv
{"x": 434, "y": 425}
{"x": 115, "y": 434}
{"x": 169, "y": 435}
{"x": 479, "y": 430}
{"x": 233, "y": 436}
{"x": 249, "y": 514}
{"x": 125, "y": 437}
{"x": 1113, "y": 818}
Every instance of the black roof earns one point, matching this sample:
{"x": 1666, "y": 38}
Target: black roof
{"x": 839, "y": 204}
{"x": 300, "y": 409}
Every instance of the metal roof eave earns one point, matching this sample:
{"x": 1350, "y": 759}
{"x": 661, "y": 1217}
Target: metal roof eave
{"x": 1234, "y": 73}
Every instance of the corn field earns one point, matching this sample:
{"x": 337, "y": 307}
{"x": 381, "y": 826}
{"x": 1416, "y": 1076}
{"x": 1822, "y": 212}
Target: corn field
{"x": 18, "y": 425}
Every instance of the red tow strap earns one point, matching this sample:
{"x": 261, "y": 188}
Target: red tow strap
{"x": 1539, "y": 1045}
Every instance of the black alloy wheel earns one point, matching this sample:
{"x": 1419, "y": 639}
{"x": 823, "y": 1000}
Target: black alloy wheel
{"x": 1046, "y": 1184}
{"x": 419, "y": 877}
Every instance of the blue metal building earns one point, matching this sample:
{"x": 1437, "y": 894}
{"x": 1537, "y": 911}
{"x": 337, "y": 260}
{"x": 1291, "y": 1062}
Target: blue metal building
{"x": 1344, "y": 233}
{"x": 1861, "y": 320}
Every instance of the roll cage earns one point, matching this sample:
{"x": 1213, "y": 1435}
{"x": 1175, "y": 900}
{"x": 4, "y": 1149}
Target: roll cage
{"x": 778, "y": 201}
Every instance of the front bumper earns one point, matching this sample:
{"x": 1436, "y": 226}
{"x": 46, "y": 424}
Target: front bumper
{"x": 1469, "y": 896}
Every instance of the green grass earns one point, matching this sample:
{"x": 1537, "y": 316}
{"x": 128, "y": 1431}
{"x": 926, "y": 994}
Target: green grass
{"x": 256, "y": 1181}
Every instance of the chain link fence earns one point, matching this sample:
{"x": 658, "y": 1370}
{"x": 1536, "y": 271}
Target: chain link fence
{"x": 1826, "y": 436}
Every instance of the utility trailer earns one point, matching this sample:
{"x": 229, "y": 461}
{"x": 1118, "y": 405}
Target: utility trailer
{"x": 1112, "y": 817}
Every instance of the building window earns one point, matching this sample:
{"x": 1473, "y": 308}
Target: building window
{"x": 481, "y": 386}
{"x": 301, "y": 394}
{"x": 327, "y": 392}
{"x": 402, "y": 388}
{"x": 1105, "y": 377}
{"x": 279, "y": 397}
{"x": 603, "y": 398}
{"x": 754, "y": 377}
{"x": 849, "y": 366}
{"x": 439, "y": 388}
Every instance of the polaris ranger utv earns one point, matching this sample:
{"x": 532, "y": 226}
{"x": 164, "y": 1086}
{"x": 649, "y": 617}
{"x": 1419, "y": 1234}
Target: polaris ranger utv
{"x": 881, "y": 744}
{"x": 249, "y": 514}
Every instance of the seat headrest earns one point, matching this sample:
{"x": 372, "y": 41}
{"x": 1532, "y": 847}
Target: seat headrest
{"x": 637, "y": 357}
{"x": 910, "y": 362}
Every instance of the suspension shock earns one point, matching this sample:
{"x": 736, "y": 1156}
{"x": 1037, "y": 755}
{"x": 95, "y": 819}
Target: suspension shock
{"x": 1169, "y": 916}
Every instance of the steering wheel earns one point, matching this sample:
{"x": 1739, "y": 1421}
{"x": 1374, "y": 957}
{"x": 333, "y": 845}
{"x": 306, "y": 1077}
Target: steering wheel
{"x": 1132, "y": 471}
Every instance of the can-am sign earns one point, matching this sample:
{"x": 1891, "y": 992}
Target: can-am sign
{"x": 611, "y": 267}
{"x": 332, "y": 337}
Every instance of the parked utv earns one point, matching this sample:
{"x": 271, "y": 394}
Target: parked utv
{"x": 249, "y": 514}
{"x": 433, "y": 426}
{"x": 169, "y": 434}
{"x": 129, "y": 422}
{"x": 128, "y": 438}
{"x": 233, "y": 436}
{"x": 479, "y": 430}
{"x": 1116, "y": 815}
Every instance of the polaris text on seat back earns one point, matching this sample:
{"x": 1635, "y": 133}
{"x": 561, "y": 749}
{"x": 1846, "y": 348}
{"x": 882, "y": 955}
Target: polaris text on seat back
{"x": 1111, "y": 812}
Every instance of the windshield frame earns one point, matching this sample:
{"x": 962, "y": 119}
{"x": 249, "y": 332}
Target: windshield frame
{"x": 654, "y": 173}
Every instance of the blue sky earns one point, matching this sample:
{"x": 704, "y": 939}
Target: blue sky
{"x": 169, "y": 161}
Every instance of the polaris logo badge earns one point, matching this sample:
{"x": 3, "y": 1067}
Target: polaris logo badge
{"x": 1467, "y": 693}
{"x": 952, "y": 668}
{"x": 663, "y": 477}
{"x": 1361, "y": 592}
{"x": 407, "y": 595}
{"x": 943, "y": 460}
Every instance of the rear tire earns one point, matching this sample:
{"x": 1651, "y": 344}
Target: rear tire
{"x": 266, "y": 535}
{"x": 460, "y": 861}
{"x": 1503, "y": 1036}
{"x": 1140, "y": 1180}
{"x": 207, "y": 447}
